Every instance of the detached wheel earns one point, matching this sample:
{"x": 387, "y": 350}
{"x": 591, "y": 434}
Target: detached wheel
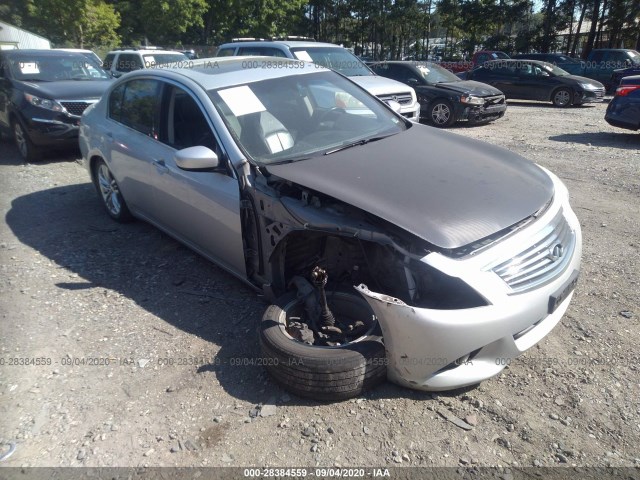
{"x": 109, "y": 192}
{"x": 28, "y": 151}
{"x": 562, "y": 98}
{"x": 441, "y": 114}
{"x": 322, "y": 372}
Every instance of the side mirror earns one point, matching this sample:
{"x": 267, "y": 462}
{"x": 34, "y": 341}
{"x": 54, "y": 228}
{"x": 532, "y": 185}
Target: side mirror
{"x": 196, "y": 158}
{"x": 413, "y": 81}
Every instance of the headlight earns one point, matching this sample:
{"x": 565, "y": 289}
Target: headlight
{"x": 471, "y": 100}
{"x": 44, "y": 103}
{"x": 588, "y": 86}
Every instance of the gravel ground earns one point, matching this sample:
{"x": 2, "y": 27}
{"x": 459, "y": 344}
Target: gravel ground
{"x": 143, "y": 351}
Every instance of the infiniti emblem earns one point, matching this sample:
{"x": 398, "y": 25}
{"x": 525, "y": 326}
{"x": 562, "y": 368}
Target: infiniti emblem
{"x": 555, "y": 252}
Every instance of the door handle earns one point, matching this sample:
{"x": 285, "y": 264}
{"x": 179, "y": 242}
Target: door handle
{"x": 161, "y": 167}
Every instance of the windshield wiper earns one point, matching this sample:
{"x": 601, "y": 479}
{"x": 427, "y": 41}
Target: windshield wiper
{"x": 33, "y": 80}
{"x": 356, "y": 144}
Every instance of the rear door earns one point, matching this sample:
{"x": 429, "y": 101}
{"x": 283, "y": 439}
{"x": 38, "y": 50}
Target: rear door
{"x": 131, "y": 133}
{"x": 501, "y": 75}
{"x": 202, "y": 208}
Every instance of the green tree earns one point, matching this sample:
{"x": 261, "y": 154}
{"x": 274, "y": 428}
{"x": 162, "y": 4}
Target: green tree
{"x": 81, "y": 23}
{"x": 15, "y": 12}
{"x": 167, "y": 20}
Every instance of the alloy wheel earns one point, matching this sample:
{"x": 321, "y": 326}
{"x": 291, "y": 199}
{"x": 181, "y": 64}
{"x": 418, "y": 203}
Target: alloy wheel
{"x": 109, "y": 190}
{"x": 440, "y": 114}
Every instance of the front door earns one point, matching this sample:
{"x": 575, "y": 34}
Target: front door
{"x": 202, "y": 208}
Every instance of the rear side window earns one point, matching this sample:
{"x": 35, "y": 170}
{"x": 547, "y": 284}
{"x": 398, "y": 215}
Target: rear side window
{"x": 261, "y": 51}
{"x": 135, "y": 104}
{"x": 108, "y": 61}
{"x": 225, "y": 52}
{"x": 115, "y": 103}
{"x": 127, "y": 62}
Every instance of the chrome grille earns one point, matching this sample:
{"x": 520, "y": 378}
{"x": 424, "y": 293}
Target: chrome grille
{"x": 76, "y": 108}
{"x": 599, "y": 93}
{"x": 545, "y": 259}
{"x": 401, "y": 98}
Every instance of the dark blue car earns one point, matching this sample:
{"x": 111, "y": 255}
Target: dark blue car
{"x": 624, "y": 110}
{"x": 620, "y": 73}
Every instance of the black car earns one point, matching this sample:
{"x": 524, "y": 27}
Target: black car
{"x": 535, "y": 80}
{"x": 565, "y": 62}
{"x": 444, "y": 98}
{"x": 624, "y": 110}
{"x": 43, "y": 94}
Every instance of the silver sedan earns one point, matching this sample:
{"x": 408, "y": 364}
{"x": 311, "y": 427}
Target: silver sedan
{"x": 299, "y": 182}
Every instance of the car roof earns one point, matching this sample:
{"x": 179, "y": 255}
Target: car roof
{"x": 286, "y": 43}
{"x": 43, "y": 52}
{"x": 519, "y": 60}
{"x": 631, "y": 80}
{"x": 212, "y": 73}
{"x": 143, "y": 51}
{"x": 406, "y": 63}
{"x": 613, "y": 50}
{"x": 78, "y": 50}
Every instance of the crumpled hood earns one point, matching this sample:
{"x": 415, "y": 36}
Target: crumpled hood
{"x": 445, "y": 188}
{"x": 377, "y": 85}
{"x": 67, "y": 89}
{"x": 470, "y": 87}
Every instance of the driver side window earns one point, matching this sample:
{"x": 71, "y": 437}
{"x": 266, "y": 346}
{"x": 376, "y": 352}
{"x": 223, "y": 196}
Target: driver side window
{"x": 186, "y": 124}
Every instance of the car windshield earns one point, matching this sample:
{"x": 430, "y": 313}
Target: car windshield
{"x": 433, "y": 73}
{"x": 335, "y": 58}
{"x": 52, "y": 68}
{"x": 635, "y": 57}
{"x": 564, "y": 59}
{"x": 153, "y": 59}
{"x": 296, "y": 117}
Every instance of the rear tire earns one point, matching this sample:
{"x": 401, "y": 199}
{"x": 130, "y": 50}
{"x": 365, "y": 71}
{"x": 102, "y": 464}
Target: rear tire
{"x": 321, "y": 372}
{"x": 109, "y": 193}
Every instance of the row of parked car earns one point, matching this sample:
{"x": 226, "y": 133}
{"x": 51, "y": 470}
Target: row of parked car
{"x": 43, "y": 93}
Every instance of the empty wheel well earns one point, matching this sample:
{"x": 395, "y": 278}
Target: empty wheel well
{"x": 349, "y": 261}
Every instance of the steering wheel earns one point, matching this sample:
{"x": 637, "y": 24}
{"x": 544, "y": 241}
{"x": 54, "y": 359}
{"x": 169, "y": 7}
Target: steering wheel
{"x": 330, "y": 115}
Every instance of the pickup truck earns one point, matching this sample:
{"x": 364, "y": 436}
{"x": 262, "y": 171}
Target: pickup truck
{"x": 476, "y": 61}
{"x": 601, "y": 63}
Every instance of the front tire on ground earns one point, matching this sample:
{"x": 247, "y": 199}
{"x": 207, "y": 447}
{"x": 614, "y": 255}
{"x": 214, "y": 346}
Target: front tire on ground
{"x": 109, "y": 193}
{"x": 441, "y": 114}
{"x": 322, "y": 372}
{"x": 28, "y": 151}
{"x": 562, "y": 98}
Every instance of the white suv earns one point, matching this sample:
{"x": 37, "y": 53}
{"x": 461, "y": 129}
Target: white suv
{"x": 121, "y": 61}
{"x": 331, "y": 56}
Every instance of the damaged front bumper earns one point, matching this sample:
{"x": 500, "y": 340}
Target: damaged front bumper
{"x": 430, "y": 349}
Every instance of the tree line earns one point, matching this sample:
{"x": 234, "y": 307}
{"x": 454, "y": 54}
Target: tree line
{"x": 380, "y": 29}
